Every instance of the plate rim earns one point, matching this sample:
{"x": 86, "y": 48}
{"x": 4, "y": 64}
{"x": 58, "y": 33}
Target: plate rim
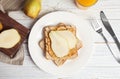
{"x": 32, "y": 31}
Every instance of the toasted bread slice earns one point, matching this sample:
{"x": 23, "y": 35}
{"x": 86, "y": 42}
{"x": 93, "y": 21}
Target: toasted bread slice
{"x": 46, "y": 44}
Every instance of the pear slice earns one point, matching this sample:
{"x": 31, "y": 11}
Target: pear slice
{"x": 9, "y": 38}
{"x": 70, "y": 38}
{"x": 62, "y": 42}
{"x": 59, "y": 44}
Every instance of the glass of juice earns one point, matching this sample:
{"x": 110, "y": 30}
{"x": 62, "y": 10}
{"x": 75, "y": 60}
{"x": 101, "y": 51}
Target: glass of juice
{"x": 84, "y": 4}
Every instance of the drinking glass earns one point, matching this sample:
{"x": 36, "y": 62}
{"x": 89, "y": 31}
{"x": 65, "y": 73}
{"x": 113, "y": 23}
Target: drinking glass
{"x": 84, "y": 4}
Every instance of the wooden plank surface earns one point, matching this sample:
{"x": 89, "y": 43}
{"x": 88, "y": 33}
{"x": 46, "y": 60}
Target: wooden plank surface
{"x": 101, "y": 64}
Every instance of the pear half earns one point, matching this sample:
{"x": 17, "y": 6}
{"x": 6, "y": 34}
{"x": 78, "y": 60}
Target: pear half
{"x": 9, "y": 38}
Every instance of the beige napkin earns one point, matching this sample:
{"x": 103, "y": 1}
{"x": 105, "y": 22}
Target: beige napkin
{"x": 11, "y": 5}
{"x": 17, "y": 60}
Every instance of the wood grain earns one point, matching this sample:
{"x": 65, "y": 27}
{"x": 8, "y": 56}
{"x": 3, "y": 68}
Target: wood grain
{"x": 10, "y": 23}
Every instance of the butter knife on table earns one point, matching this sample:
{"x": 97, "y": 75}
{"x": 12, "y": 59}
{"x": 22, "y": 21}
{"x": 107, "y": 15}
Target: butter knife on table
{"x": 110, "y": 30}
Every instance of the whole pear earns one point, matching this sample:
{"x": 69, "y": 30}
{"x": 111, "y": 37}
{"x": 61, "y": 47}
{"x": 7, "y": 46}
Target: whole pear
{"x": 1, "y": 26}
{"x": 32, "y": 8}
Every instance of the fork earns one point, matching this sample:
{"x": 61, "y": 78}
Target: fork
{"x": 98, "y": 28}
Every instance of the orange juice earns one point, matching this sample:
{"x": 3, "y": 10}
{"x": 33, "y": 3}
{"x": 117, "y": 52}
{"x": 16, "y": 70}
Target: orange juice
{"x": 85, "y": 3}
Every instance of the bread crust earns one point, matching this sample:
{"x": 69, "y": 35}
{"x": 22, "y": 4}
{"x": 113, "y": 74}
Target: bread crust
{"x": 49, "y": 54}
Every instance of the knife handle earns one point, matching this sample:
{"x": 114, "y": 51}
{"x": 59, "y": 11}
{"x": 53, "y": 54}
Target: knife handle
{"x": 115, "y": 55}
{"x": 117, "y": 42}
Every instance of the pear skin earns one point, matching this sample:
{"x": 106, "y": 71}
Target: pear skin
{"x": 1, "y": 26}
{"x": 32, "y": 8}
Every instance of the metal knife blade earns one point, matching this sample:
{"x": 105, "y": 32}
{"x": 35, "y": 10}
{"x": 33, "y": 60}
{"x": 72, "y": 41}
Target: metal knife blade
{"x": 109, "y": 28}
{"x": 106, "y": 23}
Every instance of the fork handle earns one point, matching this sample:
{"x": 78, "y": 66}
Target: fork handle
{"x": 116, "y": 56}
{"x": 106, "y": 41}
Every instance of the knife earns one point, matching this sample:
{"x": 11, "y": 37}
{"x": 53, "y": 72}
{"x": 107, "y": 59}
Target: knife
{"x": 109, "y": 28}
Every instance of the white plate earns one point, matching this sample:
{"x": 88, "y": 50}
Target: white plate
{"x": 84, "y": 32}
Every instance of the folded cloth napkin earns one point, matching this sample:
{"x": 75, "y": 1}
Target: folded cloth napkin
{"x": 17, "y": 60}
{"x": 11, "y": 5}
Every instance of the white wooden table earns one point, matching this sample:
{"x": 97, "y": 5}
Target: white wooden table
{"x": 101, "y": 65}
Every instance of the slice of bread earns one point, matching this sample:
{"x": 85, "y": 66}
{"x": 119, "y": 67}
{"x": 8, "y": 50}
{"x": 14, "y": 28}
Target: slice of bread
{"x": 46, "y": 44}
